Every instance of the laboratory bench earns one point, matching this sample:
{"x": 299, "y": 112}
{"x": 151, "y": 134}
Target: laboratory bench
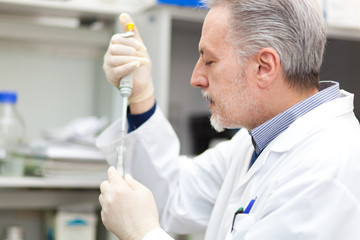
{"x": 29, "y": 201}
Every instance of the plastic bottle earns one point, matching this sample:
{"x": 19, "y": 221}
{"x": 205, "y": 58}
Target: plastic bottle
{"x": 12, "y": 135}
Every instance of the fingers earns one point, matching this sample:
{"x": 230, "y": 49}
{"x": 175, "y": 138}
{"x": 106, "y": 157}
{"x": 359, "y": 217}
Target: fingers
{"x": 114, "y": 75}
{"x": 104, "y": 186}
{"x": 114, "y": 176}
{"x": 131, "y": 42}
{"x": 125, "y": 55}
{"x": 119, "y": 54}
{"x": 118, "y": 61}
{"x": 101, "y": 199}
{"x": 114, "y": 181}
{"x": 124, "y": 19}
{"x": 135, "y": 185}
{"x": 124, "y": 50}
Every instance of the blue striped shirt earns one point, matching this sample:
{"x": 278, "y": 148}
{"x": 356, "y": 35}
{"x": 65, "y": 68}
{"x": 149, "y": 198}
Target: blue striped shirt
{"x": 268, "y": 131}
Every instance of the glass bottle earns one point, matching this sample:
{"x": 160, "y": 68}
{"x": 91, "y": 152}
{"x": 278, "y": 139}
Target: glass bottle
{"x": 12, "y": 135}
{"x": 14, "y": 233}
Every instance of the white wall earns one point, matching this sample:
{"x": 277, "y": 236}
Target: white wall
{"x": 55, "y": 83}
{"x": 185, "y": 100}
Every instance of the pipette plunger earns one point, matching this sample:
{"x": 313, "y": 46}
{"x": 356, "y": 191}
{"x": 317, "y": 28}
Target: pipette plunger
{"x": 126, "y": 85}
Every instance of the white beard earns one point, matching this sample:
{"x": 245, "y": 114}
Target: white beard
{"x": 216, "y": 123}
{"x": 215, "y": 120}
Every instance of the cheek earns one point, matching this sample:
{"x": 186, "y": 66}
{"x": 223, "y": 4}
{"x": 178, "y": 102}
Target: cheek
{"x": 226, "y": 82}
{"x": 237, "y": 94}
{"x": 227, "y": 101}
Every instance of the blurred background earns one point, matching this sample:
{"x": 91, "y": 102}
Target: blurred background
{"x": 51, "y": 55}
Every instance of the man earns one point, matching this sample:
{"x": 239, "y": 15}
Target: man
{"x": 291, "y": 172}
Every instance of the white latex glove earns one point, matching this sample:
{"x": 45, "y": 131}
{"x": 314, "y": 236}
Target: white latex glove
{"x": 128, "y": 208}
{"x": 127, "y": 55}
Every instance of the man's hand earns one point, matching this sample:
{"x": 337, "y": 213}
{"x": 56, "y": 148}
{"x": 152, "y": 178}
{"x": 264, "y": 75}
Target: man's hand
{"x": 128, "y": 208}
{"x": 126, "y": 55}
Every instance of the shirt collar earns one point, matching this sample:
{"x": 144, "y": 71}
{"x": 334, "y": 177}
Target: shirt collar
{"x": 266, "y": 132}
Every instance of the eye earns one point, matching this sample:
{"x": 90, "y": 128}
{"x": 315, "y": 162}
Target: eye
{"x": 208, "y": 63}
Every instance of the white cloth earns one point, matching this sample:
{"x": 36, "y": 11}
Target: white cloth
{"x": 157, "y": 233}
{"x": 306, "y": 181}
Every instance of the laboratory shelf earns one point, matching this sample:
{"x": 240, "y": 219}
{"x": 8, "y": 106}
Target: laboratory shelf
{"x": 47, "y": 193}
{"x": 344, "y": 33}
{"x": 74, "y": 8}
{"x": 50, "y": 182}
{"x": 40, "y": 31}
{"x": 41, "y": 199}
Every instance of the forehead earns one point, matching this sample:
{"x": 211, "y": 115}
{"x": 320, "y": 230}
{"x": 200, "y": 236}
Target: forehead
{"x": 215, "y": 26}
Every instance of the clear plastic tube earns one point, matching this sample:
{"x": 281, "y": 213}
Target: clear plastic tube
{"x": 121, "y": 149}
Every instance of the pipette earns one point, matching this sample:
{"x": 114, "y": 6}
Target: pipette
{"x": 126, "y": 85}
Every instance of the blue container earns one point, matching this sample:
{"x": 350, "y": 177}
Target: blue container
{"x": 182, "y": 3}
{"x": 8, "y": 97}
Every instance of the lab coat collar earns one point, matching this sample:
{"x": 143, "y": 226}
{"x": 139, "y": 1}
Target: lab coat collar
{"x": 313, "y": 119}
{"x": 300, "y": 128}
{"x": 263, "y": 134}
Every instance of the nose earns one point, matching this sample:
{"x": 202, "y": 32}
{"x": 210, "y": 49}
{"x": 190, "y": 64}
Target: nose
{"x": 199, "y": 78}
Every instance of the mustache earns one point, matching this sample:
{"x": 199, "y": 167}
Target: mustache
{"x": 207, "y": 96}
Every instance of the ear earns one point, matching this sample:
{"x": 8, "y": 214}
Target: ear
{"x": 268, "y": 61}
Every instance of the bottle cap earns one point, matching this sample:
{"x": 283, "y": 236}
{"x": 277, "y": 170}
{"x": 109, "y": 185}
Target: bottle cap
{"x": 8, "y": 97}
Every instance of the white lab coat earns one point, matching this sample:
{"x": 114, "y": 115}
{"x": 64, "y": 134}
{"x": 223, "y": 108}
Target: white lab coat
{"x": 306, "y": 181}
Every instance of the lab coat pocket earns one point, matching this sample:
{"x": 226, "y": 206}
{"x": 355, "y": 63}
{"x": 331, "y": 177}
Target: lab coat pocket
{"x": 242, "y": 224}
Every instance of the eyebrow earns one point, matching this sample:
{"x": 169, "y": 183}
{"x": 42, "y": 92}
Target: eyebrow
{"x": 203, "y": 50}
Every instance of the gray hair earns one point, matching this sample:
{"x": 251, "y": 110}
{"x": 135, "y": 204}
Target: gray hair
{"x": 294, "y": 28}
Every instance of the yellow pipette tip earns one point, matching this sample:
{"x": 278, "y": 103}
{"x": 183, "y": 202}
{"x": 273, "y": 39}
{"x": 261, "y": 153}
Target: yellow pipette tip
{"x": 130, "y": 26}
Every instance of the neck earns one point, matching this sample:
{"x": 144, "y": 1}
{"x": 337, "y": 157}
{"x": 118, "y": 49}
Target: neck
{"x": 284, "y": 99}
